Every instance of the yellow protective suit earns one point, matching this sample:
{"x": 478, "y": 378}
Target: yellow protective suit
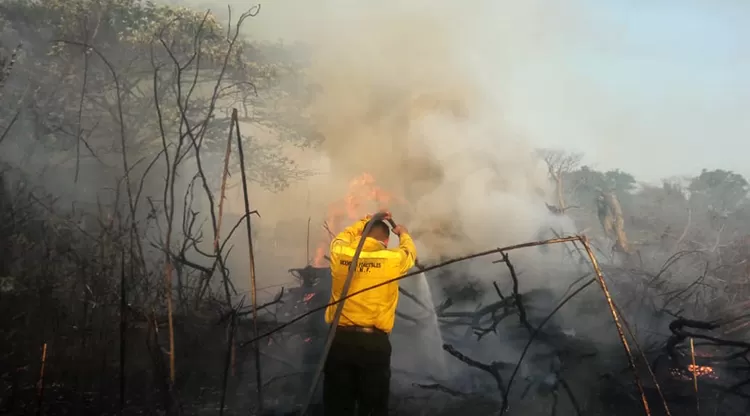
{"x": 377, "y": 264}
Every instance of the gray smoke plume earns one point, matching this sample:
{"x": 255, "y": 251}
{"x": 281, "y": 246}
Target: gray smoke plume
{"x": 409, "y": 95}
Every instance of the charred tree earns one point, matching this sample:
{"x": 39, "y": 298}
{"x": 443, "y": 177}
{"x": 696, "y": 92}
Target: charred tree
{"x": 610, "y": 216}
{"x": 559, "y": 165}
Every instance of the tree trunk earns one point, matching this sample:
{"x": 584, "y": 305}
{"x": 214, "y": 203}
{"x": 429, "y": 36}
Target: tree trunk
{"x": 618, "y": 224}
{"x": 560, "y": 199}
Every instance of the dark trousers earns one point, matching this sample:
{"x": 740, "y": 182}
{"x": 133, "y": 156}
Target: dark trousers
{"x": 357, "y": 374}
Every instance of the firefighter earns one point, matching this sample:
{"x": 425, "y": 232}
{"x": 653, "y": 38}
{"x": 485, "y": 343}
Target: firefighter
{"x": 357, "y": 371}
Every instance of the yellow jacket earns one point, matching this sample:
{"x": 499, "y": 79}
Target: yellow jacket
{"x": 375, "y": 307}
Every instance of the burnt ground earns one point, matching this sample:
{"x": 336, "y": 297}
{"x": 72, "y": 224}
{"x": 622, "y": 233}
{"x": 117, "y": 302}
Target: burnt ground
{"x": 564, "y": 372}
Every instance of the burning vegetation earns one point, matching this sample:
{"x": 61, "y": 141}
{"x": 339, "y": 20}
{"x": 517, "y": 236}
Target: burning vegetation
{"x": 120, "y": 290}
{"x": 363, "y": 197}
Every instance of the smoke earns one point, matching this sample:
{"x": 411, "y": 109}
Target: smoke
{"x": 411, "y": 94}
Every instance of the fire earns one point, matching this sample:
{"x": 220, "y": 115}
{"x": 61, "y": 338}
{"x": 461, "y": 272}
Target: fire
{"x": 694, "y": 371}
{"x": 701, "y": 370}
{"x": 364, "y": 196}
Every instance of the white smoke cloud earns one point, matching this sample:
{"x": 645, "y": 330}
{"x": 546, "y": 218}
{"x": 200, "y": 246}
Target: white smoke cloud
{"x": 408, "y": 95}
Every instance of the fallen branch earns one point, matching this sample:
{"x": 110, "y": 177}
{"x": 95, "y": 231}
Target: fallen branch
{"x": 519, "y": 304}
{"x": 537, "y": 330}
{"x": 425, "y": 269}
{"x": 481, "y": 332}
{"x": 415, "y": 299}
{"x": 406, "y": 317}
{"x": 493, "y": 368}
{"x": 648, "y": 367}
{"x": 237, "y": 312}
{"x": 679, "y": 334}
{"x": 615, "y": 318}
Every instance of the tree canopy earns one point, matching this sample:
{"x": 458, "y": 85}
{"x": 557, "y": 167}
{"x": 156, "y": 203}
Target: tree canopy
{"x": 720, "y": 195}
{"x": 721, "y": 189}
{"x": 130, "y": 74}
{"x": 587, "y": 182}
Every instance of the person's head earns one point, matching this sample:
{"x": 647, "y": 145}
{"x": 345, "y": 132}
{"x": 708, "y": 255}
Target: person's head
{"x": 380, "y": 232}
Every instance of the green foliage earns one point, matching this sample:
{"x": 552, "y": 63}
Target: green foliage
{"x": 613, "y": 180}
{"x": 131, "y": 23}
{"x": 585, "y": 183}
{"x": 619, "y": 181}
{"x": 174, "y": 74}
{"x": 721, "y": 189}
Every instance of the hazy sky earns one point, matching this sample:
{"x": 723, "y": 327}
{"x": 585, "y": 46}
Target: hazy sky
{"x": 661, "y": 88}
{"x": 656, "y": 88}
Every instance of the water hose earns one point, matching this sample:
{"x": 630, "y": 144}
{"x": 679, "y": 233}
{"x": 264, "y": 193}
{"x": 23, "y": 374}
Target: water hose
{"x": 339, "y": 309}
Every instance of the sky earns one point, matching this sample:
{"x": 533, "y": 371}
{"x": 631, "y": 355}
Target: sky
{"x": 655, "y": 88}
{"x": 660, "y": 88}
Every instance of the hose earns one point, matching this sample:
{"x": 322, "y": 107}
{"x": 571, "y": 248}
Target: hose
{"x": 339, "y": 309}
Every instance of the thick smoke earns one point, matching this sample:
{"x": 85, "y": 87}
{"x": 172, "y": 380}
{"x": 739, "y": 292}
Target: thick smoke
{"x": 408, "y": 96}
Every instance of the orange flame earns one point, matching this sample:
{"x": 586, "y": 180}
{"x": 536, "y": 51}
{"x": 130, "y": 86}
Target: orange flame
{"x": 701, "y": 370}
{"x": 364, "y": 197}
{"x": 694, "y": 371}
